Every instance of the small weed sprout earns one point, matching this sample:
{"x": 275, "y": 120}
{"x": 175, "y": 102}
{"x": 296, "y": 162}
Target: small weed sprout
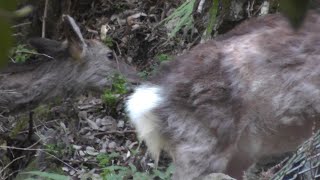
{"x": 118, "y": 88}
{"x": 143, "y": 74}
{"x": 42, "y": 111}
{"x": 46, "y": 175}
{"x": 58, "y": 149}
{"x": 163, "y": 57}
{"x": 108, "y": 41}
{"x": 160, "y": 58}
{"x": 110, "y": 171}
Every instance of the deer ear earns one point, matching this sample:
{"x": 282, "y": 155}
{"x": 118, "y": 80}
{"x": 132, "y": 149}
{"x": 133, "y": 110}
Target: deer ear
{"x": 76, "y": 44}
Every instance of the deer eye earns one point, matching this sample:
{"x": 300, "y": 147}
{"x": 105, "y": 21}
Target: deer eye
{"x": 110, "y": 55}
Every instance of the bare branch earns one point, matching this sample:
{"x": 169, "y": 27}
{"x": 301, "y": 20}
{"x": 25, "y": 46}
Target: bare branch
{"x": 200, "y": 7}
{"x": 43, "y": 35}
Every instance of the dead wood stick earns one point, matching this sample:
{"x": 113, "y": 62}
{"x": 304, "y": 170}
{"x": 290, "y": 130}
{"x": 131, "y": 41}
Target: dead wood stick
{"x": 200, "y": 7}
{"x": 114, "y": 132}
{"x": 43, "y": 35}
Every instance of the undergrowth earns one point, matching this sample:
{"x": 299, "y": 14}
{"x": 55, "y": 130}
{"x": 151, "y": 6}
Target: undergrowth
{"x": 183, "y": 16}
{"x": 153, "y": 68}
{"x": 20, "y": 53}
{"x": 108, "y": 41}
{"x": 111, "y": 171}
{"x": 112, "y": 95}
{"x": 213, "y": 11}
{"x": 163, "y": 57}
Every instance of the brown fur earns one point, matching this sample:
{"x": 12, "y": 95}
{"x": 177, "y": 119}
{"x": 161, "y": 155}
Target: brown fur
{"x": 251, "y": 93}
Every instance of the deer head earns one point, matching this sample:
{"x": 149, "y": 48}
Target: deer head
{"x": 76, "y": 65}
{"x": 251, "y": 93}
{"x": 91, "y": 59}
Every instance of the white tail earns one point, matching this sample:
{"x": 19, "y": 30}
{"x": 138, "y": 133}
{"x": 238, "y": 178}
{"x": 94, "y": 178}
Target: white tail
{"x": 140, "y": 107}
{"x": 227, "y": 103}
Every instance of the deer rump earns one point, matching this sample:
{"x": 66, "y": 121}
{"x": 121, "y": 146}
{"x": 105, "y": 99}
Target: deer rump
{"x": 251, "y": 93}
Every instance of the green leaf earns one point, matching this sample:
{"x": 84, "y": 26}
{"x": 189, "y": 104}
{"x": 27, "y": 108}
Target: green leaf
{"x": 159, "y": 174}
{"x": 295, "y": 10}
{"x": 184, "y": 15}
{"x": 114, "y": 168}
{"x": 114, "y": 155}
{"x": 9, "y": 5}
{"x": 170, "y": 169}
{"x": 141, "y": 176}
{"x": 133, "y": 168}
{"x": 6, "y": 41}
{"x": 49, "y": 175}
{"x": 212, "y": 18}
{"x": 114, "y": 177}
{"x": 5, "y": 30}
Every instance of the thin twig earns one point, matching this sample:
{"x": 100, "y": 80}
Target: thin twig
{"x": 11, "y": 174}
{"x": 12, "y": 60}
{"x": 41, "y": 150}
{"x": 23, "y": 149}
{"x": 43, "y": 35}
{"x": 118, "y": 65}
{"x": 17, "y": 34}
{"x": 114, "y": 132}
{"x": 34, "y": 144}
{"x": 30, "y": 130}
{"x": 119, "y": 50}
{"x": 11, "y": 163}
{"x": 248, "y": 9}
{"x": 21, "y": 24}
{"x": 35, "y": 53}
{"x": 43, "y": 124}
{"x": 61, "y": 161}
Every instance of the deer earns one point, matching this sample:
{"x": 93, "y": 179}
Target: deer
{"x": 220, "y": 107}
{"x": 68, "y": 68}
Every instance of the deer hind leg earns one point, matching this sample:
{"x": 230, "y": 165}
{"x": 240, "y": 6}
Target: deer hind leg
{"x": 195, "y": 161}
{"x": 200, "y": 160}
{"x": 194, "y": 149}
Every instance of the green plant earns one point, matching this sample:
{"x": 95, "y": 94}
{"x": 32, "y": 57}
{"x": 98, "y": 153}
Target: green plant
{"x": 118, "y": 88}
{"x": 53, "y": 148}
{"x": 295, "y": 11}
{"x": 119, "y": 7}
{"x": 20, "y": 125}
{"x": 213, "y": 11}
{"x": 108, "y": 41}
{"x": 183, "y": 16}
{"x": 5, "y": 31}
{"x": 20, "y": 53}
{"x": 164, "y": 175}
{"x": 105, "y": 159}
{"x": 114, "y": 172}
{"x": 46, "y": 175}
{"x": 42, "y": 111}
{"x": 153, "y": 68}
{"x": 120, "y": 172}
{"x": 163, "y": 57}
{"x": 59, "y": 149}
{"x": 144, "y": 74}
